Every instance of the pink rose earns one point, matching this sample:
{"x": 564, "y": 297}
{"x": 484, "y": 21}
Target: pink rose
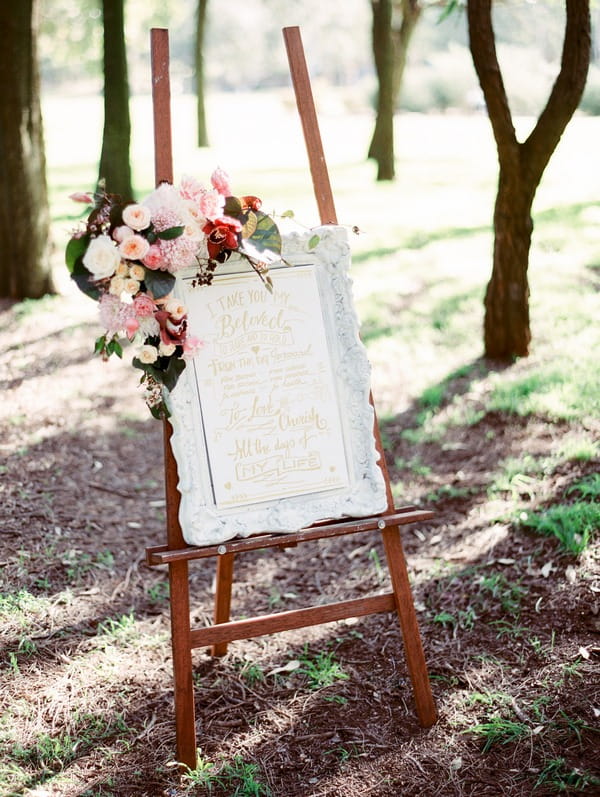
{"x": 211, "y": 204}
{"x": 143, "y": 306}
{"x": 220, "y": 180}
{"x": 190, "y": 188}
{"x": 120, "y": 233}
{"x": 153, "y": 258}
{"x": 134, "y": 247}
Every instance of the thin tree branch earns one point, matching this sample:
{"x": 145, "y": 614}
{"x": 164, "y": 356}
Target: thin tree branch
{"x": 483, "y": 50}
{"x": 566, "y": 92}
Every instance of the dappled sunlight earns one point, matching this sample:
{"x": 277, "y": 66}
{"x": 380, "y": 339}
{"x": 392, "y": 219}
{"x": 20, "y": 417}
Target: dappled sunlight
{"x": 503, "y": 610}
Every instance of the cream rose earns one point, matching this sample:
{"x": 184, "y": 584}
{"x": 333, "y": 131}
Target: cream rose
{"x": 148, "y": 354}
{"x": 166, "y": 349}
{"x": 175, "y": 309}
{"x": 117, "y": 286}
{"x": 131, "y": 286}
{"x": 122, "y": 270}
{"x": 137, "y": 217}
{"x": 137, "y": 273}
{"x": 134, "y": 247}
{"x": 102, "y": 257}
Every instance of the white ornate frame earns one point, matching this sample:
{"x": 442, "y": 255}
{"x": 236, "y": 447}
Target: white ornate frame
{"x": 202, "y": 522}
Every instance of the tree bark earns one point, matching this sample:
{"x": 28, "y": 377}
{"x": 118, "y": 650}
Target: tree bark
{"x": 115, "y": 171}
{"x": 507, "y": 331}
{"x": 24, "y": 215}
{"x": 390, "y": 50}
{"x": 201, "y": 110}
{"x": 382, "y": 144}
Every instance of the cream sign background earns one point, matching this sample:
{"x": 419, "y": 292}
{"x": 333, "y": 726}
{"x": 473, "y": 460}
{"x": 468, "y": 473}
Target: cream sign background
{"x": 272, "y": 427}
{"x": 266, "y": 389}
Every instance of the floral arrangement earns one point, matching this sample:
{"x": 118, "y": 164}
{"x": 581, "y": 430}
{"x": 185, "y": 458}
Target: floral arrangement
{"x": 128, "y": 254}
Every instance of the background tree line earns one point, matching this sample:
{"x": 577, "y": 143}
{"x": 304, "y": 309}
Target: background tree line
{"x": 224, "y": 53}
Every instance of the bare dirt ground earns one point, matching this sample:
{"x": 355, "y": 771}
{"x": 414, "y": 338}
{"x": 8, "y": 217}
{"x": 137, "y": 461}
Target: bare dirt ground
{"x": 509, "y": 623}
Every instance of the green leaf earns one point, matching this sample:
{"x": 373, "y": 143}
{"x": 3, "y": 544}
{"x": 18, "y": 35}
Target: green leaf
{"x": 167, "y": 375}
{"x": 100, "y": 344}
{"x": 75, "y": 250}
{"x": 287, "y": 214}
{"x": 314, "y": 241}
{"x": 160, "y": 411}
{"x": 170, "y": 233}
{"x": 266, "y": 235}
{"x": 233, "y": 207}
{"x": 159, "y": 283}
{"x": 173, "y": 371}
{"x": 114, "y": 347}
{"x": 83, "y": 279}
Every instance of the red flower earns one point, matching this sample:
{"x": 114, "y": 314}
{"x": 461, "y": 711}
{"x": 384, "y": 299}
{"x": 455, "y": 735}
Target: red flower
{"x": 251, "y": 203}
{"x": 171, "y": 331}
{"x": 221, "y": 234}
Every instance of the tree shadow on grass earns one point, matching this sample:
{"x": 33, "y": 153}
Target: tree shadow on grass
{"x": 329, "y": 740}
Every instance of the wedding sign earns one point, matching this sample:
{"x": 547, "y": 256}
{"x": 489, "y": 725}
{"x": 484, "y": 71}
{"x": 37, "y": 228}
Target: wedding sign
{"x": 272, "y": 425}
{"x": 267, "y": 390}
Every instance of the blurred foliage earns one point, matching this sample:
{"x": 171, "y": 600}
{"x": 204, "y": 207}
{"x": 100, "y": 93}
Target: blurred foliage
{"x": 245, "y": 49}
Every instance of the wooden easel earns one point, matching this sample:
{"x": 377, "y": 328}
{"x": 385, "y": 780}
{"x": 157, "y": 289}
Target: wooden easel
{"x": 177, "y": 553}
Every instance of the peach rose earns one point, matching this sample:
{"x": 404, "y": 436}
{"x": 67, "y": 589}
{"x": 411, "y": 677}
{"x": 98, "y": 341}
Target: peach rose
{"x": 137, "y": 217}
{"x": 134, "y": 247}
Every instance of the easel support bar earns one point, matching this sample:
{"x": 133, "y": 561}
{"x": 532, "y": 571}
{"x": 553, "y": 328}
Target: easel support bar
{"x": 164, "y": 555}
{"x": 295, "y": 618}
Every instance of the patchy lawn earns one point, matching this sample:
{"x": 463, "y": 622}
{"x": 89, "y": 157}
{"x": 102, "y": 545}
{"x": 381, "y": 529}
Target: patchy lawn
{"x": 508, "y": 611}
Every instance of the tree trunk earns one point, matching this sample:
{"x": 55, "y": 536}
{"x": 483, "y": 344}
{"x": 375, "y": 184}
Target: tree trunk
{"x": 114, "y": 169}
{"x": 201, "y": 111}
{"x": 24, "y": 216}
{"x": 506, "y": 323}
{"x": 390, "y": 51}
{"x": 382, "y": 144}
{"x": 506, "y": 326}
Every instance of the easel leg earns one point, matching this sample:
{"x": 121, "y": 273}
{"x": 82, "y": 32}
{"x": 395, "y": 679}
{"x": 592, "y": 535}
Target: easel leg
{"x": 411, "y": 637}
{"x": 224, "y": 583}
{"x": 185, "y": 724}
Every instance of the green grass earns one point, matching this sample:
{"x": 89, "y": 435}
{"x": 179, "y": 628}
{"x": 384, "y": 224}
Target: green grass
{"x": 321, "y": 670}
{"x": 499, "y": 730}
{"x": 573, "y": 525}
{"x": 236, "y": 778}
{"x": 565, "y": 389}
{"x": 588, "y": 487}
{"x": 419, "y": 287}
{"x": 560, "y": 777}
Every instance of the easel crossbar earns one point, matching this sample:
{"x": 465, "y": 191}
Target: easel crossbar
{"x": 295, "y": 618}
{"x": 163, "y": 555}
